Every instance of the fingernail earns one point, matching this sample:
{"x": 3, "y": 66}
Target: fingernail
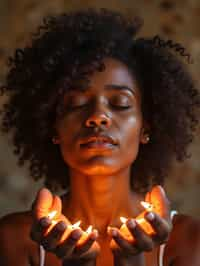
{"x": 76, "y": 235}
{"x": 61, "y": 226}
{"x": 131, "y": 224}
{"x": 113, "y": 232}
{"x": 150, "y": 216}
{"x": 45, "y": 222}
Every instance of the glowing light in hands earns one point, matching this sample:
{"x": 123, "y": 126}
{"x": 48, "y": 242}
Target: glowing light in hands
{"x": 148, "y": 206}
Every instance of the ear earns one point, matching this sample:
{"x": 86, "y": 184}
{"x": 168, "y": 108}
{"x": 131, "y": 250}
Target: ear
{"x": 145, "y": 133}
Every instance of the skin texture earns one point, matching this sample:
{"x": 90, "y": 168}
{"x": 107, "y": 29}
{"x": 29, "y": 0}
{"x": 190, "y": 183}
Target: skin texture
{"x": 100, "y": 186}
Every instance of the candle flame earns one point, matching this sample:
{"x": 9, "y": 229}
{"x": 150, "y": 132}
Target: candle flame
{"x": 76, "y": 225}
{"x": 89, "y": 230}
{"x": 123, "y": 219}
{"x": 52, "y": 214}
{"x": 146, "y": 205}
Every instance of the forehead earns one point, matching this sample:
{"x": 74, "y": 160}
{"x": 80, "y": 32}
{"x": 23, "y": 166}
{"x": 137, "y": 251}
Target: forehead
{"x": 115, "y": 72}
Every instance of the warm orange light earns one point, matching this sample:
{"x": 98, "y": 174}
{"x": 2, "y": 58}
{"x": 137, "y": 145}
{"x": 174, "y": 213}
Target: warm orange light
{"x": 85, "y": 235}
{"x": 52, "y": 214}
{"x": 123, "y": 219}
{"x": 140, "y": 220}
{"x": 148, "y": 206}
{"x": 76, "y": 225}
{"x": 124, "y": 229}
{"x": 70, "y": 227}
{"x": 89, "y": 230}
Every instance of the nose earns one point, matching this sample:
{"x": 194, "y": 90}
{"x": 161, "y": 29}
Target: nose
{"x": 98, "y": 120}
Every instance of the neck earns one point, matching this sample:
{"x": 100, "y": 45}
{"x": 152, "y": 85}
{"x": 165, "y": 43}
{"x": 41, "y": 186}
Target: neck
{"x": 101, "y": 200}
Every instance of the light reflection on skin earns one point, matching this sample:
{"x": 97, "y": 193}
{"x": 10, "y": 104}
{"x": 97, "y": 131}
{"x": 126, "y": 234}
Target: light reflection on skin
{"x": 140, "y": 220}
{"x": 85, "y": 233}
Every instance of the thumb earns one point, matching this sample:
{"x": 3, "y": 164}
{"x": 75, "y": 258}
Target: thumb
{"x": 56, "y": 205}
{"x": 43, "y": 203}
{"x": 160, "y": 201}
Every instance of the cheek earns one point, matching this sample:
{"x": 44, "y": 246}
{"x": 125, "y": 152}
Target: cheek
{"x": 131, "y": 138}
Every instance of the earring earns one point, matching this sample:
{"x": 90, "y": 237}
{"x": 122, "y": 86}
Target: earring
{"x": 55, "y": 140}
{"x": 147, "y": 138}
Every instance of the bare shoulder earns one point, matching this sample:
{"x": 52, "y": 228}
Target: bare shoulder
{"x": 184, "y": 242}
{"x": 15, "y": 224}
{"x": 16, "y": 245}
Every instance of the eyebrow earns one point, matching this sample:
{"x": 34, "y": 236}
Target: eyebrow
{"x": 120, "y": 87}
{"x": 108, "y": 86}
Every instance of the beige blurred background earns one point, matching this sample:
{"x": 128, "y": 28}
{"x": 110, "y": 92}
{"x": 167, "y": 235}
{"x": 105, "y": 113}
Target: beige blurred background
{"x": 176, "y": 19}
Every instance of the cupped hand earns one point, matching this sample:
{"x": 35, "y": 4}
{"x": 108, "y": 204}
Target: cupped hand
{"x": 139, "y": 238}
{"x": 58, "y": 235}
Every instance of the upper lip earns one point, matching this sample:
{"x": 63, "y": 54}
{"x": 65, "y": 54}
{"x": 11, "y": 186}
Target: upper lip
{"x": 99, "y": 138}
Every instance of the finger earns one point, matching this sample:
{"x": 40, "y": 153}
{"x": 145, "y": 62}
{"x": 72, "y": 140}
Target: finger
{"x": 52, "y": 238}
{"x": 126, "y": 245}
{"x": 147, "y": 197}
{"x": 86, "y": 245}
{"x": 66, "y": 248}
{"x": 56, "y": 205}
{"x": 43, "y": 203}
{"x": 39, "y": 229}
{"x": 161, "y": 227}
{"x": 143, "y": 241}
{"x": 160, "y": 201}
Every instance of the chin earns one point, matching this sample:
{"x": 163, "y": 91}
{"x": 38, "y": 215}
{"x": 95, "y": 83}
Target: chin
{"x": 95, "y": 169}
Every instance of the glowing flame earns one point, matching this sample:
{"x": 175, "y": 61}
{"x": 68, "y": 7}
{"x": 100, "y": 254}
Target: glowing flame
{"x": 123, "y": 219}
{"x": 146, "y": 205}
{"x": 76, "y": 225}
{"x": 52, "y": 214}
{"x": 89, "y": 230}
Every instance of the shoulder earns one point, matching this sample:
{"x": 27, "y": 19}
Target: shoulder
{"x": 15, "y": 238}
{"x": 184, "y": 242}
{"x": 15, "y": 224}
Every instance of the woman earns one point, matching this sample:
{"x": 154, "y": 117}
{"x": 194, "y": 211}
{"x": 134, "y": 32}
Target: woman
{"x": 101, "y": 114}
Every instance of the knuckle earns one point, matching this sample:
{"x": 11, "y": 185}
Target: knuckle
{"x": 147, "y": 246}
{"x": 62, "y": 253}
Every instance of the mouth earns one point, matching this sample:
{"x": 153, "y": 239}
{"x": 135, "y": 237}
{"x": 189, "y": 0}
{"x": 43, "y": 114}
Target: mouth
{"x": 98, "y": 142}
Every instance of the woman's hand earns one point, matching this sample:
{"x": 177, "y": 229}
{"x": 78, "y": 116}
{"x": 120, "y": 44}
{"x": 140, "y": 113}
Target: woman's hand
{"x": 130, "y": 251}
{"x": 59, "y": 237}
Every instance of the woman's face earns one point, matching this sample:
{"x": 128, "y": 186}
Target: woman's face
{"x": 101, "y": 129}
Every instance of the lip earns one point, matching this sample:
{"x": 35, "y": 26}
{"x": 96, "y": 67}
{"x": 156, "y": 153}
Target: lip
{"x": 98, "y": 142}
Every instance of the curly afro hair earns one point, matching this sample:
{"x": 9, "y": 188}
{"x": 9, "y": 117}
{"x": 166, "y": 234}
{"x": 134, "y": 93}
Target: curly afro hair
{"x": 64, "y": 51}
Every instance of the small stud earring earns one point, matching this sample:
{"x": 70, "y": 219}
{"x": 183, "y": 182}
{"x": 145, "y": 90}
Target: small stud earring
{"x": 55, "y": 140}
{"x": 147, "y": 138}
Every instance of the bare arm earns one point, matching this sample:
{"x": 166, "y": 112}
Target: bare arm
{"x": 184, "y": 244}
{"x": 13, "y": 241}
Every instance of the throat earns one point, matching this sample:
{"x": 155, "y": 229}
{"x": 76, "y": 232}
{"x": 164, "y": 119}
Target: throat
{"x": 100, "y": 200}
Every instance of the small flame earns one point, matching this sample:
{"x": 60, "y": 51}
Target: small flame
{"x": 52, "y": 214}
{"x": 89, "y": 230}
{"x": 76, "y": 225}
{"x": 146, "y": 205}
{"x": 123, "y": 219}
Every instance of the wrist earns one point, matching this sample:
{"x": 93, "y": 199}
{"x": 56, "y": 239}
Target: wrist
{"x": 134, "y": 260}
{"x": 79, "y": 262}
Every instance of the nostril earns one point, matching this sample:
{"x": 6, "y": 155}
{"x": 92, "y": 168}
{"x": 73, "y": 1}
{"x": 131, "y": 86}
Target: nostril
{"x": 104, "y": 122}
{"x": 92, "y": 123}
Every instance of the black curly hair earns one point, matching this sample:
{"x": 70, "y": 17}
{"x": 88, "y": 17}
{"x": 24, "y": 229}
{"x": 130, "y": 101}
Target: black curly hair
{"x": 64, "y": 51}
